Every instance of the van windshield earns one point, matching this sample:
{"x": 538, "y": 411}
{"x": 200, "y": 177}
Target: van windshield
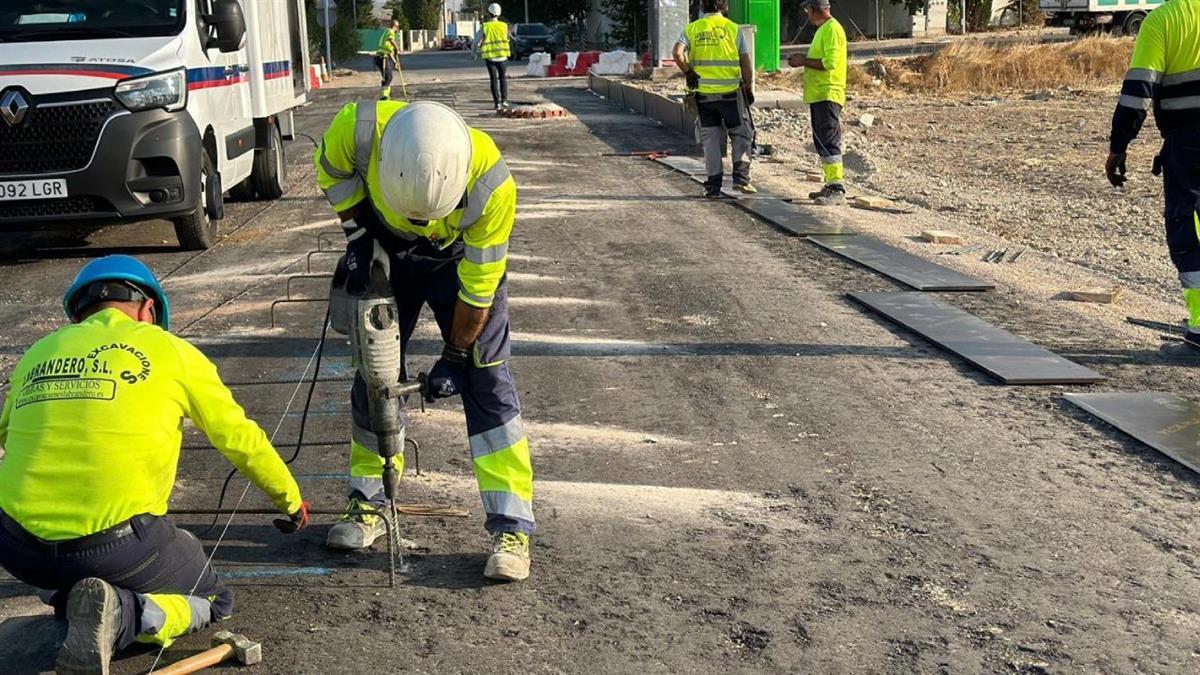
{"x": 38, "y": 20}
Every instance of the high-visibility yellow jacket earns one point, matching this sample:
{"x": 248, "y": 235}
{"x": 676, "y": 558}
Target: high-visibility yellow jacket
{"x": 712, "y": 43}
{"x": 93, "y": 423}
{"x": 387, "y": 43}
{"x": 495, "y": 40}
{"x": 1164, "y": 74}
{"x": 829, "y": 47}
{"x": 348, "y": 172}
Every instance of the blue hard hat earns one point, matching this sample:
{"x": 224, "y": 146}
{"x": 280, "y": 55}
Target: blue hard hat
{"x": 120, "y": 268}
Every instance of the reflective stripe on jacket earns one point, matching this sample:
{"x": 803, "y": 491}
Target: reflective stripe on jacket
{"x": 1164, "y": 74}
{"x": 350, "y": 149}
{"x": 93, "y": 423}
{"x": 713, "y": 54}
{"x": 829, "y": 47}
{"x": 495, "y": 40}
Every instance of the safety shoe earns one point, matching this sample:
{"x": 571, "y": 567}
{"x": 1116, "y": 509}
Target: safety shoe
{"x": 94, "y": 617}
{"x": 745, "y": 188}
{"x": 510, "y": 557}
{"x": 357, "y": 532}
{"x": 1191, "y": 339}
{"x": 829, "y": 195}
{"x": 496, "y": 107}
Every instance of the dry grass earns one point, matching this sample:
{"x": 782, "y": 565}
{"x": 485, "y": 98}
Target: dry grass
{"x": 969, "y": 67}
{"x": 966, "y": 67}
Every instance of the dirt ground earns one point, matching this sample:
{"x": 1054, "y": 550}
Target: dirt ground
{"x": 737, "y": 469}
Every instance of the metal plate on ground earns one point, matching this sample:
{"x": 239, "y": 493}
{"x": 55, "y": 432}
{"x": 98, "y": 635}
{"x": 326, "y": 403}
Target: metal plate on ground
{"x": 1165, "y": 422}
{"x": 794, "y": 219}
{"x": 691, "y": 166}
{"x": 902, "y": 266}
{"x": 1010, "y": 358}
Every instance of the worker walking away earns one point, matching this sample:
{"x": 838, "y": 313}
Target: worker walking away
{"x": 715, "y": 60}
{"x": 1164, "y": 74}
{"x": 432, "y": 199}
{"x": 825, "y": 93}
{"x": 91, "y": 430}
{"x": 387, "y": 58}
{"x": 492, "y": 45}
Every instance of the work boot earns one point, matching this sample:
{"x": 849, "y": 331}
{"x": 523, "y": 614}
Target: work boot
{"x": 496, "y": 107}
{"x": 830, "y": 195}
{"x": 357, "y": 532}
{"x": 1191, "y": 339}
{"x": 94, "y": 617}
{"x": 745, "y": 188}
{"x": 510, "y": 557}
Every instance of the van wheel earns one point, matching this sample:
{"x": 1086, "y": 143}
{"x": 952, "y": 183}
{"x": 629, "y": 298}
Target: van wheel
{"x": 198, "y": 230}
{"x": 270, "y": 169}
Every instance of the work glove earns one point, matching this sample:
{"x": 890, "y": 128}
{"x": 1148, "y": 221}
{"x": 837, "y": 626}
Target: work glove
{"x": 748, "y": 93}
{"x": 1114, "y": 168}
{"x": 295, "y": 522}
{"x": 362, "y": 253}
{"x": 448, "y": 376}
{"x": 692, "y": 78}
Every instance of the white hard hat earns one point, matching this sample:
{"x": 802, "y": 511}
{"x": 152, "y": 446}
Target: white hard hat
{"x": 424, "y": 161}
{"x": 494, "y": 9}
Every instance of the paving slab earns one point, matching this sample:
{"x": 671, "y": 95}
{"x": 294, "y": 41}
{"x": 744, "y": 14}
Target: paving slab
{"x": 1010, "y": 358}
{"x": 902, "y": 266}
{"x": 1166, "y": 422}
{"x": 794, "y": 219}
{"x": 691, "y": 166}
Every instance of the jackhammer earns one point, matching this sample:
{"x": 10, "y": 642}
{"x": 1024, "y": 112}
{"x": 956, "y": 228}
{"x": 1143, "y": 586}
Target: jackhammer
{"x": 373, "y": 323}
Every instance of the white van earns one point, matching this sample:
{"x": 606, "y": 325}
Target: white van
{"x": 127, "y": 110}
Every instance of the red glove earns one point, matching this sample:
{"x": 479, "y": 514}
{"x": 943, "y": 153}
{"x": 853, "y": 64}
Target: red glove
{"x": 295, "y": 522}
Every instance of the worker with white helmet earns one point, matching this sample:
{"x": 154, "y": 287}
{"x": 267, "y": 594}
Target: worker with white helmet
{"x": 418, "y": 189}
{"x": 492, "y": 44}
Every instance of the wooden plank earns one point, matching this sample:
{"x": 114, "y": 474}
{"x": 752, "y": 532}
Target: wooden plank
{"x": 1163, "y": 421}
{"x": 1009, "y": 358}
{"x": 902, "y": 266}
{"x": 941, "y": 237}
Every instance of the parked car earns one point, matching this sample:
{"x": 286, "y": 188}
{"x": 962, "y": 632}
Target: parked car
{"x": 527, "y": 38}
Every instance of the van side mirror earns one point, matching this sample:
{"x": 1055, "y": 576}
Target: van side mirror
{"x": 226, "y": 26}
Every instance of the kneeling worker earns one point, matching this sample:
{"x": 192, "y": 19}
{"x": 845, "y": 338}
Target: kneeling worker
{"x": 431, "y": 199}
{"x": 91, "y": 430}
{"x": 715, "y": 59}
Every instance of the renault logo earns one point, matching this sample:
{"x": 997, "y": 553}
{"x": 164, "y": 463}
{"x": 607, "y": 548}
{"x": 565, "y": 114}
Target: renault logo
{"x": 13, "y": 107}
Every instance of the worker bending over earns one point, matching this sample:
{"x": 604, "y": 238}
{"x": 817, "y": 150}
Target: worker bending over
{"x": 492, "y": 45}
{"x": 387, "y": 58}
{"x": 715, "y": 59}
{"x": 1164, "y": 75}
{"x": 91, "y": 431}
{"x": 420, "y": 191}
{"x": 825, "y": 93}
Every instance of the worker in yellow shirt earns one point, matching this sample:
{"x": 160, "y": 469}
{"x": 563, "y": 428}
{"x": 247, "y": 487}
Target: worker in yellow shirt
{"x": 825, "y": 93}
{"x": 427, "y": 197}
{"x": 1164, "y": 76}
{"x": 715, "y": 59}
{"x": 492, "y": 44}
{"x": 91, "y": 431}
{"x": 387, "y": 58}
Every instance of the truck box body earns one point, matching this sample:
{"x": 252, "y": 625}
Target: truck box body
{"x": 1120, "y": 16}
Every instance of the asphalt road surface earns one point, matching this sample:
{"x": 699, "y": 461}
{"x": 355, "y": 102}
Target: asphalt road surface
{"x": 737, "y": 469}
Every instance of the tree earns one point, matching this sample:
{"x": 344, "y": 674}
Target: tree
{"x": 628, "y": 19}
{"x": 423, "y": 14}
{"x": 343, "y": 36}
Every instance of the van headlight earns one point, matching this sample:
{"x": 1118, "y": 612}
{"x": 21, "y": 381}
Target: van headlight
{"x": 161, "y": 90}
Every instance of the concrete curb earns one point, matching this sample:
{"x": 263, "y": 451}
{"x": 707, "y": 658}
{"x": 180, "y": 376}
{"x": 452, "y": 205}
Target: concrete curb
{"x": 668, "y": 112}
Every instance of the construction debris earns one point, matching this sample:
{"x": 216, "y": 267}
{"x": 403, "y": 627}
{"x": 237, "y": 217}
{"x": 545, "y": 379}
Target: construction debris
{"x": 941, "y": 237}
{"x": 868, "y": 202}
{"x": 1104, "y": 296}
{"x": 540, "y": 111}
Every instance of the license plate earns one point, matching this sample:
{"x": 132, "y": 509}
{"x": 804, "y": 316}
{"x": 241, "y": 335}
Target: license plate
{"x": 47, "y": 188}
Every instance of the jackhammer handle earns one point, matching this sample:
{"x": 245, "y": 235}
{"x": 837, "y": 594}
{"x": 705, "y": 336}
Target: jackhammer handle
{"x": 415, "y": 387}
